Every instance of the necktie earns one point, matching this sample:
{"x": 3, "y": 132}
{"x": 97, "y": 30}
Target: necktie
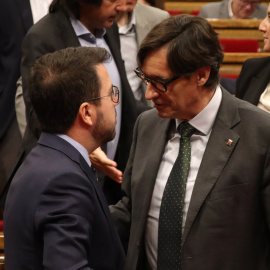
{"x": 172, "y": 205}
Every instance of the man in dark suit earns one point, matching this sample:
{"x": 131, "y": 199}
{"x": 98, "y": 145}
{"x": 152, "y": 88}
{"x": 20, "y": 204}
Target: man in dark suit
{"x": 15, "y": 20}
{"x": 56, "y": 215}
{"x": 76, "y": 23}
{"x": 218, "y": 216}
{"x": 252, "y": 84}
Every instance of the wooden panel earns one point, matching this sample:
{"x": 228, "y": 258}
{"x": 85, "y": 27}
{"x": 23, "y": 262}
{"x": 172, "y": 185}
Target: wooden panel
{"x": 186, "y": 7}
{"x": 242, "y": 57}
{"x": 236, "y": 23}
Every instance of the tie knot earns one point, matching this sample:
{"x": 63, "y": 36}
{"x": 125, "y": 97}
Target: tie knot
{"x": 185, "y": 129}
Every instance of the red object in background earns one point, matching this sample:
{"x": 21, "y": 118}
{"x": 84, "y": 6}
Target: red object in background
{"x": 1, "y": 226}
{"x": 239, "y": 45}
{"x": 195, "y": 12}
{"x": 232, "y": 76}
{"x": 174, "y": 12}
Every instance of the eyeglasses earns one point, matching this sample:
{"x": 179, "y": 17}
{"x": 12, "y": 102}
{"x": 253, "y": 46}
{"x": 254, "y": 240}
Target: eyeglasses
{"x": 114, "y": 95}
{"x": 159, "y": 85}
{"x": 246, "y": 3}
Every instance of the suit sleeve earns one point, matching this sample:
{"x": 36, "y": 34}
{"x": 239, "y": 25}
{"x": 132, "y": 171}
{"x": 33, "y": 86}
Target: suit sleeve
{"x": 121, "y": 212}
{"x": 241, "y": 82}
{"x": 64, "y": 219}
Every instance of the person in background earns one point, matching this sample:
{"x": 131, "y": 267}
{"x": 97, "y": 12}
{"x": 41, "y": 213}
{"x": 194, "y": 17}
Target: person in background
{"x": 134, "y": 24}
{"x": 234, "y": 9}
{"x": 16, "y": 17}
{"x": 253, "y": 83}
{"x": 197, "y": 182}
{"x": 56, "y": 216}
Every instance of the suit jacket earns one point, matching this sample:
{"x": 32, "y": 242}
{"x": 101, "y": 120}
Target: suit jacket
{"x": 253, "y": 79}
{"x": 220, "y": 10}
{"x": 15, "y": 20}
{"x": 55, "y": 32}
{"x": 56, "y": 215}
{"x": 146, "y": 18}
{"x": 228, "y": 219}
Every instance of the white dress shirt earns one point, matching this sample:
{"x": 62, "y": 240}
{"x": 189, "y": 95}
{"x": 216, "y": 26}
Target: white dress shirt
{"x": 203, "y": 122}
{"x": 264, "y": 102}
{"x": 129, "y": 49}
{"x": 39, "y": 8}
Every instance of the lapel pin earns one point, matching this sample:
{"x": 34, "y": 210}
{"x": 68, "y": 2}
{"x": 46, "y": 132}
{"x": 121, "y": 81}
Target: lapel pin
{"x": 229, "y": 142}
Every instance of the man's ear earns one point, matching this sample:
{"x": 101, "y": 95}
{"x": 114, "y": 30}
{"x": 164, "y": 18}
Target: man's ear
{"x": 87, "y": 113}
{"x": 203, "y": 75}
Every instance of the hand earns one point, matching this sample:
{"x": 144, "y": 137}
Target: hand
{"x": 102, "y": 163}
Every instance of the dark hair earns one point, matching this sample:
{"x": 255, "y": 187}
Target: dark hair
{"x": 72, "y": 5}
{"x": 192, "y": 43}
{"x": 60, "y": 82}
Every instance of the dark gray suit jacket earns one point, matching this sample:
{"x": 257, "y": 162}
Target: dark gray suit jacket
{"x": 253, "y": 79}
{"x": 220, "y": 10}
{"x": 228, "y": 220}
{"x": 56, "y": 215}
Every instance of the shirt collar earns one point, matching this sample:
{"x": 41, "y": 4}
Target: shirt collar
{"x": 130, "y": 26}
{"x": 230, "y": 9}
{"x": 204, "y": 120}
{"x": 82, "y": 32}
{"x": 78, "y": 146}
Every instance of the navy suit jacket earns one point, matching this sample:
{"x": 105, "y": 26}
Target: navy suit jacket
{"x": 253, "y": 79}
{"x": 56, "y": 215}
{"x": 15, "y": 20}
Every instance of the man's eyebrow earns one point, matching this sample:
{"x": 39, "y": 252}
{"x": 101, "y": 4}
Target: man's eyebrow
{"x": 156, "y": 77}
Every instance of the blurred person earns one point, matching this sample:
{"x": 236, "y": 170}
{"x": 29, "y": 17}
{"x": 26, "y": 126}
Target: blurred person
{"x": 134, "y": 24}
{"x": 56, "y": 216}
{"x": 197, "y": 183}
{"x": 16, "y": 17}
{"x": 234, "y": 9}
{"x": 253, "y": 83}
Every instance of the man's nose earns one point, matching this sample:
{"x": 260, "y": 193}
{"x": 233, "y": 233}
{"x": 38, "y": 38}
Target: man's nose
{"x": 151, "y": 92}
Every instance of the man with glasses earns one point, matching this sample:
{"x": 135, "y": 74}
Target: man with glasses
{"x": 234, "y": 9}
{"x": 197, "y": 183}
{"x": 56, "y": 215}
{"x": 73, "y": 23}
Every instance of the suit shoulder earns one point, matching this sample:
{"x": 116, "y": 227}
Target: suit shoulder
{"x": 152, "y": 10}
{"x": 253, "y": 113}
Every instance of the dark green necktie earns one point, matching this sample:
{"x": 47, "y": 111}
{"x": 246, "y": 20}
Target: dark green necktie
{"x": 172, "y": 205}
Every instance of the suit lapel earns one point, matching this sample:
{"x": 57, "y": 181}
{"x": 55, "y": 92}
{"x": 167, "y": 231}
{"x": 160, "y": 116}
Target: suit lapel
{"x": 66, "y": 30}
{"x": 67, "y": 149}
{"x": 25, "y": 12}
{"x": 257, "y": 85}
{"x": 216, "y": 156}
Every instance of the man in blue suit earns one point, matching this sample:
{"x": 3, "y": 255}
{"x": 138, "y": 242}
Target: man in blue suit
{"x": 56, "y": 215}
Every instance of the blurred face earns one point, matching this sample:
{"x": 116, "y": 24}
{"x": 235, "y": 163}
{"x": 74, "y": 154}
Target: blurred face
{"x": 242, "y": 9}
{"x": 94, "y": 17}
{"x": 104, "y": 130}
{"x": 130, "y": 5}
{"x": 184, "y": 98}
{"x": 265, "y": 28}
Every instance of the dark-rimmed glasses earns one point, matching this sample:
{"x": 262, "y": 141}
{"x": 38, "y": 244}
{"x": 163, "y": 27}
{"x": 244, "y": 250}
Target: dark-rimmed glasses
{"x": 114, "y": 95}
{"x": 159, "y": 85}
